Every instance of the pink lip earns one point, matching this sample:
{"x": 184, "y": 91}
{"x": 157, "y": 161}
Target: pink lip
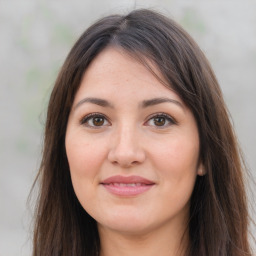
{"x": 127, "y": 186}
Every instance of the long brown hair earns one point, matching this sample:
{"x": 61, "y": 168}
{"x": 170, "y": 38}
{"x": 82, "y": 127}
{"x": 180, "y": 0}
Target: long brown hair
{"x": 218, "y": 223}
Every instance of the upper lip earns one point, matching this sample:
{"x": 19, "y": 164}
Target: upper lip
{"x": 127, "y": 180}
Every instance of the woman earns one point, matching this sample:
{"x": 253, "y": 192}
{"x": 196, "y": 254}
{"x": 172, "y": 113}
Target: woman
{"x": 139, "y": 155}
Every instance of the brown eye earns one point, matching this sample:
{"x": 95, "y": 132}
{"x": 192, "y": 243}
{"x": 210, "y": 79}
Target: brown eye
{"x": 159, "y": 121}
{"x": 95, "y": 121}
{"x": 98, "y": 121}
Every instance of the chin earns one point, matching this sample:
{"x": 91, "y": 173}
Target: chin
{"x": 127, "y": 224}
{"x": 127, "y": 229}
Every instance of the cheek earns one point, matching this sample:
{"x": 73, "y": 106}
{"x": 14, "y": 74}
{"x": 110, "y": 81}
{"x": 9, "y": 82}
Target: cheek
{"x": 178, "y": 155}
{"x": 84, "y": 157}
{"x": 85, "y": 161}
{"x": 177, "y": 162}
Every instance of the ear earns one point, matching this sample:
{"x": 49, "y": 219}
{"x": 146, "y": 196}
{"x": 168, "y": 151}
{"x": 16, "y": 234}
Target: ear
{"x": 201, "y": 170}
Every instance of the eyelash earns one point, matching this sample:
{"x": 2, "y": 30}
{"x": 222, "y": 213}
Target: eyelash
{"x": 170, "y": 119}
{"x": 86, "y": 119}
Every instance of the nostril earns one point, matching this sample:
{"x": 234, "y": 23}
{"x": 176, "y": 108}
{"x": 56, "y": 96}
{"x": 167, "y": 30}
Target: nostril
{"x": 126, "y": 154}
{"x": 125, "y": 164}
{"x": 115, "y": 163}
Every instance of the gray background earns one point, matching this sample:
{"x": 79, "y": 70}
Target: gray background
{"x": 35, "y": 38}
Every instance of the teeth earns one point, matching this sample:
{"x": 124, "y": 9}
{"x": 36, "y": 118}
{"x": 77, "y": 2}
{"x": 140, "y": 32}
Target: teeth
{"x": 127, "y": 184}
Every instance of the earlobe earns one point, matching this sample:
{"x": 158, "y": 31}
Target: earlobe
{"x": 201, "y": 170}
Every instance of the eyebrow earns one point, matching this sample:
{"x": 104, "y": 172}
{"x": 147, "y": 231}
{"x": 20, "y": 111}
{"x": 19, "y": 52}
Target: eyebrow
{"x": 144, "y": 104}
{"x": 155, "y": 101}
{"x": 96, "y": 101}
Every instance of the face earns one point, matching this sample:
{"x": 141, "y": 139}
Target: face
{"x": 132, "y": 147}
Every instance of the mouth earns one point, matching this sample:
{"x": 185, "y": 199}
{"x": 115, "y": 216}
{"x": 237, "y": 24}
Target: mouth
{"x": 127, "y": 186}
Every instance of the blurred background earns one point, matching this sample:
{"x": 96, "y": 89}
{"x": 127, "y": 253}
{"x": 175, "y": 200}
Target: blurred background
{"x": 37, "y": 35}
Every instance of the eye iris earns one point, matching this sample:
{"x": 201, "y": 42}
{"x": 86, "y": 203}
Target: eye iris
{"x": 98, "y": 121}
{"x": 159, "y": 121}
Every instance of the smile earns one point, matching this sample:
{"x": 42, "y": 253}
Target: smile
{"x": 127, "y": 186}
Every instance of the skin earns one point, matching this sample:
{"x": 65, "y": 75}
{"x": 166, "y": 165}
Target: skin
{"x": 128, "y": 139}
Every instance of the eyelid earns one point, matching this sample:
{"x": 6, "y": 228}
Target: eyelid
{"x": 86, "y": 118}
{"x": 161, "y": 114}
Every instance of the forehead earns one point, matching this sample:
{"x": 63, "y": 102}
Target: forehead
{"x": 114, "y": 71}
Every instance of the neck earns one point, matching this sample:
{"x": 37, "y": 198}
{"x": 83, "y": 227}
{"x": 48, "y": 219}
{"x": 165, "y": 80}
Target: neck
{"x": 161, "y": 242}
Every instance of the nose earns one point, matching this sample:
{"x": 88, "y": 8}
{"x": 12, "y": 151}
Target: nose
{"x": 125, "y": 149}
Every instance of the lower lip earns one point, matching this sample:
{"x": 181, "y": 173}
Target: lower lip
{"x": 127, "y": 190}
